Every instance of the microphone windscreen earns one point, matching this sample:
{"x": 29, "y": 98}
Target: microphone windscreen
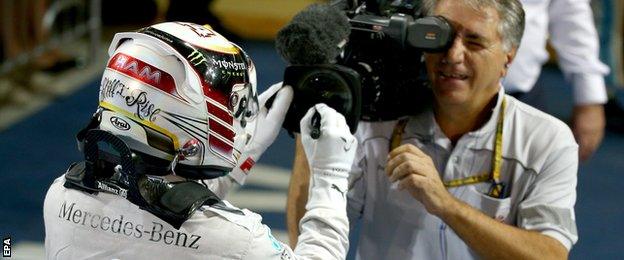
{"x": 313, "y": 36}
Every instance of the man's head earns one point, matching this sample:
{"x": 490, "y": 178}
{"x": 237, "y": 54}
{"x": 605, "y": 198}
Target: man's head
{"x": 510, "y": 27}
{"x": 488, "y": 33}
{"x": 180, "y": 94}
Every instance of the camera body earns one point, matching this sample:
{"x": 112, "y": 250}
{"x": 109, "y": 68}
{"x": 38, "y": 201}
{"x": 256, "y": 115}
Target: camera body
{"x": 384, "y": 49}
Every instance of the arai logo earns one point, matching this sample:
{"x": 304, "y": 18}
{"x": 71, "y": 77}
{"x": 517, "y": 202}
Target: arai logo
{"x": 119, "y": 123}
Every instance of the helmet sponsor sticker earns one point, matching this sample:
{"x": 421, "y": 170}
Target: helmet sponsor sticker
{"x": 202, "y": 36}
{"x": 135, "y": 99}
{"x": 228, "y": 64}
{"x": 119, "y": 123}
{"x": 201, "y": 31}
{"x": 143, "y": 72}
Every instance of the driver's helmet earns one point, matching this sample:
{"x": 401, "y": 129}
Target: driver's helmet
{"x": 182, "y": 93}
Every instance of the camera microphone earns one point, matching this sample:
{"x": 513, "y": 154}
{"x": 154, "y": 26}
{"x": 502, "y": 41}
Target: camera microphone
{"x": 314, "y": 36}
{"x": 310, "y": 43}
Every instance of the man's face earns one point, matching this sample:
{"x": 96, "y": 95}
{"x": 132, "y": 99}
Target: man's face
{"x": 468, "y": 74}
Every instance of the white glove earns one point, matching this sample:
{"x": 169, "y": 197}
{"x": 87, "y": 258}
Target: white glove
{"x": 334, "y": 150}
{"x": 267, "y": 128}
{"x": 330, "y": 157}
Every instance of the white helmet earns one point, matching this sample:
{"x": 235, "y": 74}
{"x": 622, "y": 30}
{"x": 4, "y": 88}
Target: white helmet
{"x": 182, "y": 93}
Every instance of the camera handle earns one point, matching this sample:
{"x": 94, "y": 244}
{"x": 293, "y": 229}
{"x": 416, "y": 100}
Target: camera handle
{"x": 429, "y": 34}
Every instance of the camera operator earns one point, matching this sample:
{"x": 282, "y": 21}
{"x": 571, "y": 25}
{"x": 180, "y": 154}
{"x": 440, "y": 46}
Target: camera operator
{"x": 480, "y": 175}
{"x": 178, "y": 124}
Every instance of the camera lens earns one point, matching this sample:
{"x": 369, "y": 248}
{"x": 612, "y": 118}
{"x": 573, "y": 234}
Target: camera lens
{"x": 327, "y": 87}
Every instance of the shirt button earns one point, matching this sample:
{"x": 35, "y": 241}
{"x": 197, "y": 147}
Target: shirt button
{"x": 455, "y": 159}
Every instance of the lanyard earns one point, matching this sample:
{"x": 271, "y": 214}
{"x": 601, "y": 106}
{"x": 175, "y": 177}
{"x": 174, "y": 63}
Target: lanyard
{"x": 497, "y": 187}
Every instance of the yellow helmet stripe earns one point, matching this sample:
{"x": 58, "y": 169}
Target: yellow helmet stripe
{"x": 109, "y": 106}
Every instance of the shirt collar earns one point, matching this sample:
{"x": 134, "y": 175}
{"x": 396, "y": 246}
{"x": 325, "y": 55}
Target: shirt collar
{"x": 426, "y": 128}
{"x": 490, "y": 125}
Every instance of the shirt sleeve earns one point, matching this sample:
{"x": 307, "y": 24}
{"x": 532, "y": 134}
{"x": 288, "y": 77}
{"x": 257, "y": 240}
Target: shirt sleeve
{"x": 324, "y": 227}
{"x": 265, "y": 246}
{"x": 574, "y": 37}
{"x": 549, "y": 205}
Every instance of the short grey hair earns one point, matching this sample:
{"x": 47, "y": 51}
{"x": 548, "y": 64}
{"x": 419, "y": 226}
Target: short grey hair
{"x": 510, "y": 12}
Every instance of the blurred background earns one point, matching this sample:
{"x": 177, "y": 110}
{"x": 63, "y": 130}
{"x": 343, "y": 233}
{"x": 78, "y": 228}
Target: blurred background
{"x": 53, "y": 54}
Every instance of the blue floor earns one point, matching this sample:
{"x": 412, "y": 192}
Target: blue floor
{"x": 38, "y": 149}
